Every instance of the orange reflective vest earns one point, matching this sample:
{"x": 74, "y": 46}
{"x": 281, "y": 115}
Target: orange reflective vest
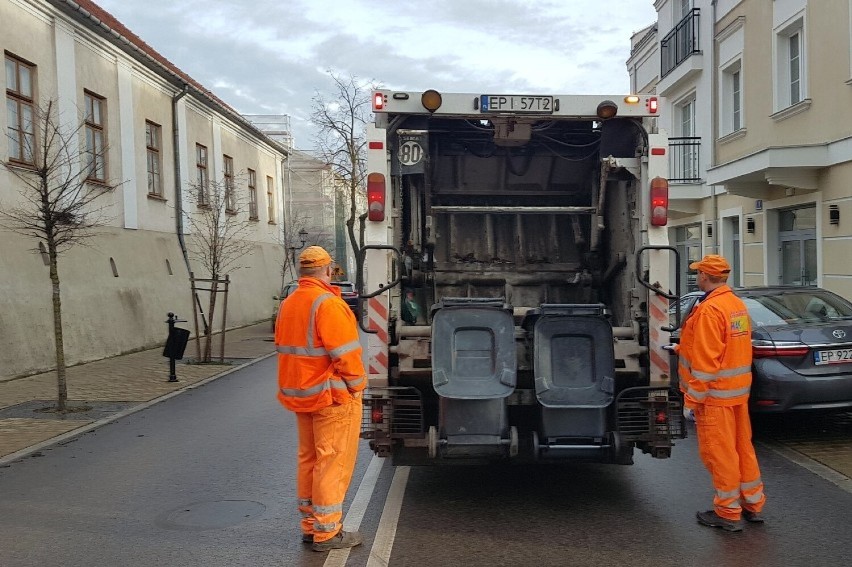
{"x": 319, "y": 355}
{"x": 715, "y": 351}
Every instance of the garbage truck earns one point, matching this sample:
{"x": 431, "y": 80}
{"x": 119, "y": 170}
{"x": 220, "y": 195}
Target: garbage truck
{"x": 514, "y": 282}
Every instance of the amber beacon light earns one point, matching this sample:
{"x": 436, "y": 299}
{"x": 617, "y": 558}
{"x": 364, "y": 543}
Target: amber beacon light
{"x": 431, "y": 100}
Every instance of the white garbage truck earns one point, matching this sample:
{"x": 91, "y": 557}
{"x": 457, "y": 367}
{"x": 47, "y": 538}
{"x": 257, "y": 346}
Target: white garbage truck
{"x": 515, "y": 279}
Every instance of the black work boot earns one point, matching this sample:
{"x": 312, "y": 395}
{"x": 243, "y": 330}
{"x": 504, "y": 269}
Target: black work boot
{"x": 712, "y": 519}
{"x": 307, "y": 538}
{"x": 341, "y": 540}
{"x": 753, "y": 517}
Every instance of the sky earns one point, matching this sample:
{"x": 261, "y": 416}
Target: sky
{"x": 273, "y": 56}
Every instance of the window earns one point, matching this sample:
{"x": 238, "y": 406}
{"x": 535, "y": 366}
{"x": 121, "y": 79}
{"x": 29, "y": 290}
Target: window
{"x": 270, "y": 199}
{"x": 230, "y": 197}
{"x": 791, "y": 76}
{"x": 20, "y": 110}
{"x": 684, "y": 162}
{"x": 95, "y": 156}
{"x": 201, "y": 179}
{"x": 732, "y": 99}
{"x": 252, "y": 187}
{"x": 152, "y": 144}
{"x": 688, "y": 243}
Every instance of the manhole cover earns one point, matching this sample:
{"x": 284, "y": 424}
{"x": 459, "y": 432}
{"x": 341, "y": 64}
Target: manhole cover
{"x": 211, "y": 515}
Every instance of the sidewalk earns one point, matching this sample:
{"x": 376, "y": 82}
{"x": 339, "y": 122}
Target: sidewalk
{"x": 111, "y": 386}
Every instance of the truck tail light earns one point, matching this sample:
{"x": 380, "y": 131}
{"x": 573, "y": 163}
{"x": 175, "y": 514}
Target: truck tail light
{"x": 378, "y": 101}
{"x": 653, "y": 105}
{"x": 659, "y": 201}
{"x": 376, "y": 197}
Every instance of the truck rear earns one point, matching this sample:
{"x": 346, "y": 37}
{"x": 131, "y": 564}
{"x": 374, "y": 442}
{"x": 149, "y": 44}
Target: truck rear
{"x": 527, "y": 235}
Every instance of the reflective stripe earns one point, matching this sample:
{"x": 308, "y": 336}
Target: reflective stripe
{"x": 720, "y": 394}
{"x": 728, "y": 493}
{"x": 708, "y": 377}
{"x": 355, "y": 382}
{"x": 304, "y": 502}
{"x": 307, "y": 514}
{"x": 325, "y": 527}
{"x": 330, "y": 509}
{"x": 314, "y": 390}
{"x": 754, "y": 498}
{"x": 314, "y": 307}
{"x": 734, "y": 506}
{"x": 752, "y": 484}
{"x": 302, "y": 351}
{"x": 343, "y": 349}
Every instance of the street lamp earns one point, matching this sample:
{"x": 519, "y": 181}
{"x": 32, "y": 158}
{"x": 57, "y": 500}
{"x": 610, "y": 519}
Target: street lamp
{"x": 303, "y": 236}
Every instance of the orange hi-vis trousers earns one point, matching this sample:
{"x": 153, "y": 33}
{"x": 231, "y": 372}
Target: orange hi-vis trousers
{"x": 724, "y": 444}
{"x": 328, "y": 446}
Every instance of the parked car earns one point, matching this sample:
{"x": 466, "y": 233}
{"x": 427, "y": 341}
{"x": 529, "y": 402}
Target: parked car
{"x": 348, "y": 293}
{"x": 802, "y": 347}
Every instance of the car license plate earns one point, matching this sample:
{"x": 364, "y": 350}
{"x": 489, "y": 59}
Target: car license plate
{"x": 836, "y": 356}
{"x": 516, "y": 103}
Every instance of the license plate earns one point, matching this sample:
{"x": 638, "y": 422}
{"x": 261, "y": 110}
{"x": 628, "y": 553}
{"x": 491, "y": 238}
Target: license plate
{"x": 836, "y": 356}
{"x": 516, "y": 103}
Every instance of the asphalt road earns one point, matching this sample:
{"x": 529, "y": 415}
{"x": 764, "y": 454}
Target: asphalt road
{"x": 207, "y": 478}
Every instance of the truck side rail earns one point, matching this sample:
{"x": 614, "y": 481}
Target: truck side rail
{"x": 359, "y": 281}
{"x": 670, "y": 296}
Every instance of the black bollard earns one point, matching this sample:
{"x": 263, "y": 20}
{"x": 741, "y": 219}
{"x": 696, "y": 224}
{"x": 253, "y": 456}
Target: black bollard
{"x": 175, "y": 344}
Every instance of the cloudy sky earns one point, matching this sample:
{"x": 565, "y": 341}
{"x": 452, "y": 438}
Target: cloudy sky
{"x": 272, "y": 56}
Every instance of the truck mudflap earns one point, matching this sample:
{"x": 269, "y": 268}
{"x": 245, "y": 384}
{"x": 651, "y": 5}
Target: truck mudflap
{"x": 650, "y": 418}
{"x": 392, "y": 414}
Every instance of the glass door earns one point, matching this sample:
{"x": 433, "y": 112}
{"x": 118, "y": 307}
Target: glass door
{"x": 797, "y": 237}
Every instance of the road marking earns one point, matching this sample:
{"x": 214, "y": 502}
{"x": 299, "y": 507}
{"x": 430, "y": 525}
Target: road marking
{"x": 386, "y": 532}
{"x": 338, "y": 557}
{"x": 819, "y": 469}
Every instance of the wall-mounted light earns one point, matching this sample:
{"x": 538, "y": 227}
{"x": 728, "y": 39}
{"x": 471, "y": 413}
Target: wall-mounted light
{"x": 750, "y": 225}
{"x": 833, "y": 214}
{"x": 709, "y": 230}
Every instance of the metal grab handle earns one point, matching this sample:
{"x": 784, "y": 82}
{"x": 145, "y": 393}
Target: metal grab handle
{"x": 359, "y": 281}
{"x": 672, "y": 297}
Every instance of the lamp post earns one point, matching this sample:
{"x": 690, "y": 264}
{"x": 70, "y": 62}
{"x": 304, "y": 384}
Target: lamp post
{"x": 303, "y": 237}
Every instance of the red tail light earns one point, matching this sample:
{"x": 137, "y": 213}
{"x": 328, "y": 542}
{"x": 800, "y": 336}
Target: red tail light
{"x": 653, "y": 105}
{"x": 766, "y": 403}
{"x": 765, "y": 349}
{"x": 659, "y": 201}
{"x": 376, "y": 197}
{"x": 378, "y": 101}
{"x": 377, "y": 414}
{"x": 661, "y": 417}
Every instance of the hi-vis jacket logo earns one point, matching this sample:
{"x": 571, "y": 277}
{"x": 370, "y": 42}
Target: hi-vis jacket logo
{"x": 739, "y": 323}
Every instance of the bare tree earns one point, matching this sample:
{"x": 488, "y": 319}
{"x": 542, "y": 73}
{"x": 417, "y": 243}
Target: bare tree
{"x": 341, "y": 141}
{"x": 57, "y": 208}
{"x": 218, "y": 239}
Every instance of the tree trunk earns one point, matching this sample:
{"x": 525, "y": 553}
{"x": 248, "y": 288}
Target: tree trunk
{"x": 61, "y": 384}
{"x": 211, "y": 312}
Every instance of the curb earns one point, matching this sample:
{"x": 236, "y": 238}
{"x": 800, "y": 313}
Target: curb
{"x": 27, "y": 451}
{"x": 825, "y": 472}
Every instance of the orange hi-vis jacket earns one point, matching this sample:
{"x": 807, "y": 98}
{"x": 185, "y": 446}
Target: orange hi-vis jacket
{"x": 715, "y": 351}
{"x": 319, "y": 355}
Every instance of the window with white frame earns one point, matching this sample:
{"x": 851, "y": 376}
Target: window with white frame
{"x": 791, "y": 58}
{"x": 202, "y": 179}
{"x": 20, "y": 110}
{"x": 152, "y": 145}
{"x": 94, "y": 120}
{"x": 732, "y": 98}
{"x": 230, "y": 188}
{"x": 270, "y": 199}
{"x": 252, "y": 188}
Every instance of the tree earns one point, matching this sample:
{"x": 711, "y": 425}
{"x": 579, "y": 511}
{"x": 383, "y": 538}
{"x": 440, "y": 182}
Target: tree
{"x": 58, "y": 206}
{"x": 218, "y": 239}
{"x": 341, "y": 141}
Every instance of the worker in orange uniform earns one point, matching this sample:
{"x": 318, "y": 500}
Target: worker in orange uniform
{"x": 715, "y": 378}
{"x": 321, "y": 379}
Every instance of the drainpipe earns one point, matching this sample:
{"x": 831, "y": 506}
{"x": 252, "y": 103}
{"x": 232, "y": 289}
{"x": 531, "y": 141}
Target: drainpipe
{"x": 714, "y": 117}
{"x": 178, "y": 188}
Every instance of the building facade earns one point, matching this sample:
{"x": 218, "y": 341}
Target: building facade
{"x": 169, "y": 142}
{"x": 760, "y": 134}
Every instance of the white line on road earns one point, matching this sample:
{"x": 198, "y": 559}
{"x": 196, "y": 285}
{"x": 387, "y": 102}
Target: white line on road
{"x": 386, "y": 532}
{"x": 819, "y": 469}
{"x": 338, "y": 557}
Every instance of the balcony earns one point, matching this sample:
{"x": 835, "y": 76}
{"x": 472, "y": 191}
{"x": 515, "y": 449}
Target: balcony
{"x": 685, "y": 160}
{"x": 680, "y": 43}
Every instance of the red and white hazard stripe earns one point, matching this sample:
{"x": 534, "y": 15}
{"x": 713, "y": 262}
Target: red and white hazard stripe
{"x": 377, "y": 316}
{"x": 659, "y": 317}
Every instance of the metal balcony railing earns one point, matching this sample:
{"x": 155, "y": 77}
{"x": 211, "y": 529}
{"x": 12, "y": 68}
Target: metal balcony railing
{"x": 685, "y": 159}
{"x": 680, "y": 43}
